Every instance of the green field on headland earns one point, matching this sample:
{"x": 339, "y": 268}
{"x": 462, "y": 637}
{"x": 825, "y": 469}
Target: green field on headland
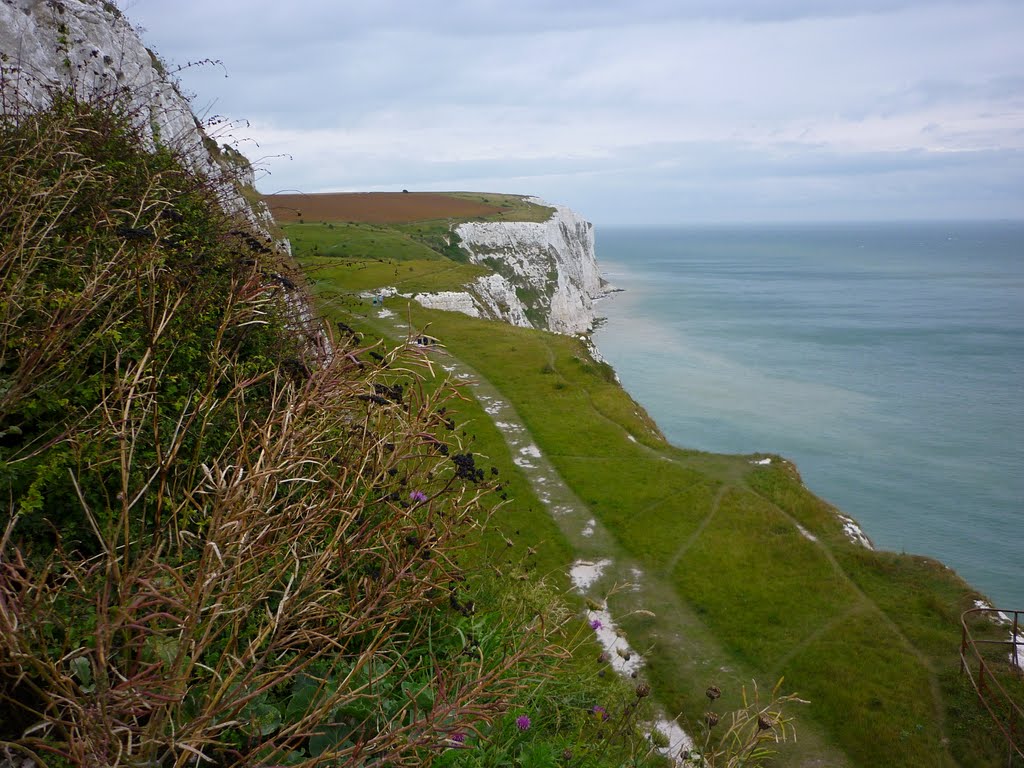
{"x": 747, "y": 574}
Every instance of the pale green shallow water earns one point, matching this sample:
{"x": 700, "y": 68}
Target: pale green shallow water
{"x": 886, "y": 360}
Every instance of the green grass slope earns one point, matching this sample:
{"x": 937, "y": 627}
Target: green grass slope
{"x": 755, "y": 567}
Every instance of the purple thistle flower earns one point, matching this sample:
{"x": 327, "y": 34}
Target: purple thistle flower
{"x": 523, "y": 723}
{"x": 458, "y": 738}
{"x": 600, "y": 712}
{"x": 417, "y": 496}
{"x": 596, "y": 624}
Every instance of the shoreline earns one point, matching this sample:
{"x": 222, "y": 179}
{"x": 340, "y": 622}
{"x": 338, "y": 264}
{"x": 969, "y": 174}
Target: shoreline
{"x": 853, "y": 529}
{"x": 828, "y": 474}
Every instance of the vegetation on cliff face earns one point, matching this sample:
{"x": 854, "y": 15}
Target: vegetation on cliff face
{"x": 219, "y": 546}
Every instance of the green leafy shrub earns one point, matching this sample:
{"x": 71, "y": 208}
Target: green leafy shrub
{"x": 121, "y": 285}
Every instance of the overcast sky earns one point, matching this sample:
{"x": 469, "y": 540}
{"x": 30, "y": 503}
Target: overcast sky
{"x": 648, "y": 112}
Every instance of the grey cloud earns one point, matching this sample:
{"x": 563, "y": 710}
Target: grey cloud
{"x": 1008, "y": 89}
{"x": 714, "y": 108}
{"x": 311, "y": 20}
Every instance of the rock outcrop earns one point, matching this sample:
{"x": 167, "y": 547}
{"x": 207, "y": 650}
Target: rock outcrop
{"x": 545, "y": 273}
{"x": 89, "y": 45}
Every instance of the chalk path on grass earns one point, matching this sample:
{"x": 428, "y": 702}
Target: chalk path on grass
{"x": 600, "y": 568}
{"x": 603, "y": 570}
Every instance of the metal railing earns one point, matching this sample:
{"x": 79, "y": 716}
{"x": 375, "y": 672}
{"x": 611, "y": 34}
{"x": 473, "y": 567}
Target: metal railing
{"x": 981, "y": 669}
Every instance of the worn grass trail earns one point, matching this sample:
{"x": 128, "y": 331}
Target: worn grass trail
{"x": 665, "y": 631}
{"x": 765, "y": 573}
{"x": 748, "y": 575}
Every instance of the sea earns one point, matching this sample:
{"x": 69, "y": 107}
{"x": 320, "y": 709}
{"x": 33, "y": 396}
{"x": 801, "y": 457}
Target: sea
{"x": 886, "y": 360}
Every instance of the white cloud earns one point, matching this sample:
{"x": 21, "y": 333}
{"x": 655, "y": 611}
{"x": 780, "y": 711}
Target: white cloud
{"x": 595, "y": 99}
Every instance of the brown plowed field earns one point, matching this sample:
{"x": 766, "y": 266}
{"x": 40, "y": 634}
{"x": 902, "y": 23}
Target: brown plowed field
{"x": 374, "y": 207}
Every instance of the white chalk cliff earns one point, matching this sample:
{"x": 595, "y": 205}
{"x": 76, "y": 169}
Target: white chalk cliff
{"x": 545, "y": 273}
{"x": 90, "y": 46}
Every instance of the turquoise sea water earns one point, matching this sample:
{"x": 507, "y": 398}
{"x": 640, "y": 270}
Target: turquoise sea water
{"x": 886, "y": 360}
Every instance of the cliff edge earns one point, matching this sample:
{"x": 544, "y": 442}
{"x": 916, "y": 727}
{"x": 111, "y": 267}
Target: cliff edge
{"x": 545, "y": 274}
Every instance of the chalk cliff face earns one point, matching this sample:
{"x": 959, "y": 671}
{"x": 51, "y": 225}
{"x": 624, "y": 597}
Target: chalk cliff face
{"x": 545, "y": 273}
{"x": 89, "y": 45}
